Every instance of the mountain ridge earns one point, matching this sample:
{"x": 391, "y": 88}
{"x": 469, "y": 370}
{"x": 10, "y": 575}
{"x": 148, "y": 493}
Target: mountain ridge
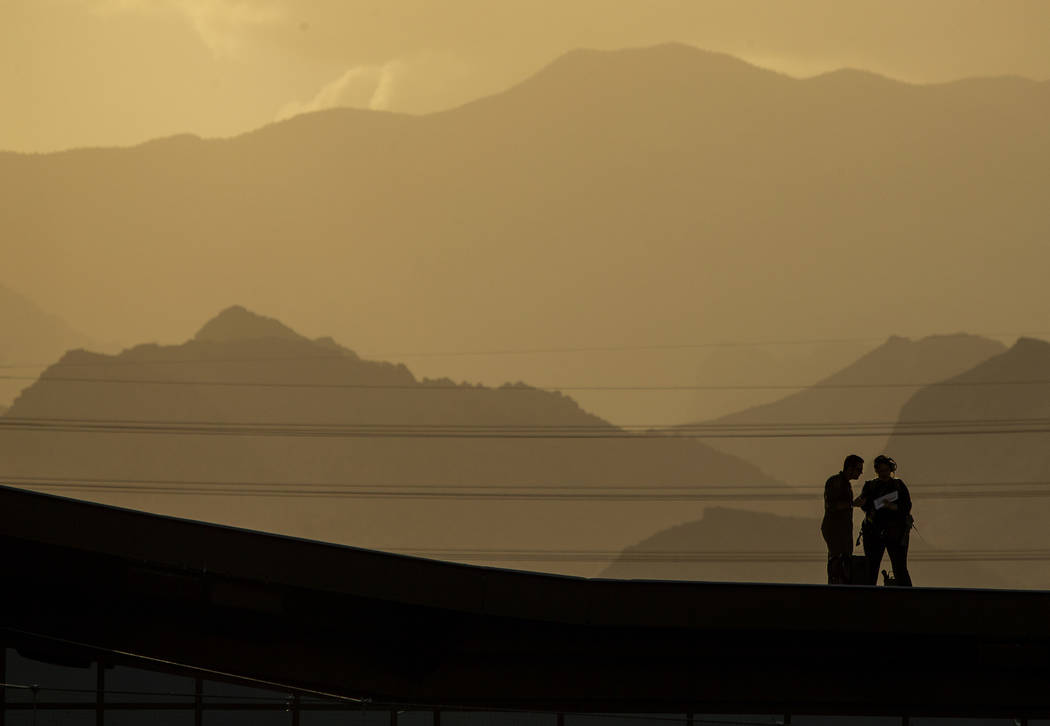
{"x": 736, "y": 533}
{"x": 30, "y": 339}
{"x": 871, "y": 390}
{"x": 569, "y": 218}
{"x": 991, "y": 467}
{"x": 304, "y": 416}
{"x": 568, "y": 62}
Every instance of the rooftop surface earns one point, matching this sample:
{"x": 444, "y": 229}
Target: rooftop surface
{"x": 362, "y": 623}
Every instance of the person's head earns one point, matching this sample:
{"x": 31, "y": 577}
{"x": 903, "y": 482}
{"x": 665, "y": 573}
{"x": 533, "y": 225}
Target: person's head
{"x": 885, "y": 466}
{"x": 853, "y": 466}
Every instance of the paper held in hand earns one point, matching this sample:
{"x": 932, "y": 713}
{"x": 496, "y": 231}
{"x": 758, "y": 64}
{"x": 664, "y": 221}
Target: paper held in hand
{"x": 885, "y": 499}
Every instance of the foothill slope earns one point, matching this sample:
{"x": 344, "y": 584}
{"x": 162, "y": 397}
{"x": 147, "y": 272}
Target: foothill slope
{"x": 249, "y": 405}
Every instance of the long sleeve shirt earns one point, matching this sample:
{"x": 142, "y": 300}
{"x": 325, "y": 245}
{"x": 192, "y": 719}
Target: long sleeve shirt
{"x": 886, "y": 522}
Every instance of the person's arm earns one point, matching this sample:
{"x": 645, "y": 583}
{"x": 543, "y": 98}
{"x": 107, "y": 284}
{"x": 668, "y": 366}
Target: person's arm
{"x": 866, "y": 503}
{"x": 904, "y": 499}
{"x": 833, "y": 494}
{"x": 841, "y": 500}
{"x": 860, "y": 501}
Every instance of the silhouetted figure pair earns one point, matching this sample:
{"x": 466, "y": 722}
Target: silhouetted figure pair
{"x": 886, "y": 503}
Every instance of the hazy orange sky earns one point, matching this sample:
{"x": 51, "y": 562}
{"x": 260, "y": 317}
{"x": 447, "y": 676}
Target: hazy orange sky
{"x": 116, "y": 72}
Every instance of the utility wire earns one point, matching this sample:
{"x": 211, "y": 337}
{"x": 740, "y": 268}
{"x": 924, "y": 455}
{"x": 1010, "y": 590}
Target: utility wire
{"x": 465, "y": 431}
{"x": 599, "y": 425}
{"x": 569, "y": 492}
{"x": 426, "y": 386}
{"x": 776, "y": 342}
{"x": 374, "y": 355}
{"x": 680, "y": 556}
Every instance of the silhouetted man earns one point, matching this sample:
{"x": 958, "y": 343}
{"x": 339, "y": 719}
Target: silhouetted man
{"x": 837, "y": 526}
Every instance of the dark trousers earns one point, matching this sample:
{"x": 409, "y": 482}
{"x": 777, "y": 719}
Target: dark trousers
{"x": 838, "y": 569}
{"x": 838, "y": 535}
{"x": 875, "y": 546}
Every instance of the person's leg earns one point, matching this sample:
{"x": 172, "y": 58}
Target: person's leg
{"x": 838, "y": 569}
{"x": 898, "y": 552}
{"x": 825, "y": 532}
{"x": 838, "y": 542}
{"x": 873, "y": 549}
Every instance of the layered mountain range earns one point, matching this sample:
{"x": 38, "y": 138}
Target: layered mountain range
{"x": 251, "y": 423}
{"x": 803, "y": 437}
{"x": 971, "y": 444}
{"x": 30, "y": 340}
{"x": 991, "y": 457}
{"x": 722, "y": 546}
{"x": 614, "y": 203}
{"x": 651, "y": 196}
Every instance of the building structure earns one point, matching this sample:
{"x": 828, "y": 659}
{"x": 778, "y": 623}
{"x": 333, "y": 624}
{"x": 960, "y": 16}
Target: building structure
{"x": 112, "y": 616}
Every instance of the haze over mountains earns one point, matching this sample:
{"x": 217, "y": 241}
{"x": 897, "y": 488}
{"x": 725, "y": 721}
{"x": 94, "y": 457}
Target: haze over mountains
{"x": 249, "y": 406}
{"x": 651, "y": 196}
{"x": 998, "y": 480}
{"x": 251, "y": 423}
{"x": 744, "y": 546}
{"x": 975, "y": 384}
{"x": 864, "y": 398}
{"x": 30, "y": 339}
{"x": 601, "y": 230}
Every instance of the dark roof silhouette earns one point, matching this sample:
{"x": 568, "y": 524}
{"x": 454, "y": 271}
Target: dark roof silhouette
{"x": 89, "y": 579}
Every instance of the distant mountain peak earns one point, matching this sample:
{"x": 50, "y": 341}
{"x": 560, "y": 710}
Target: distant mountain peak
{"x": 175, "y": 141}
{"x": 627, "y": 72}
{"x": 1025, "y": 345}
{"x": 897, "y": 340}
{"x": 239, "y": 323}
{"x": 854, "y": 76}
{"x": 670, "y": 51}
{"x": 665, "y": 57}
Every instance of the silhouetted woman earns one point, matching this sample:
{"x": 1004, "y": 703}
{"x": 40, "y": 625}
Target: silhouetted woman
{"x": 887, "y": 523}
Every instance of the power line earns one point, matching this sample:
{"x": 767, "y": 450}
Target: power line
{"x": 374, "y": 355}
{"x": 426, "y": 386}
{"x": 776, "y": 342}
{"x": 120, "y": 361}
{"x": 696, "y": 556}
{"x": 509, "y": 492}
{"x": 599, "y": 427}
{"x": 474, "y": 431}
{"x": 678, "y": 556}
